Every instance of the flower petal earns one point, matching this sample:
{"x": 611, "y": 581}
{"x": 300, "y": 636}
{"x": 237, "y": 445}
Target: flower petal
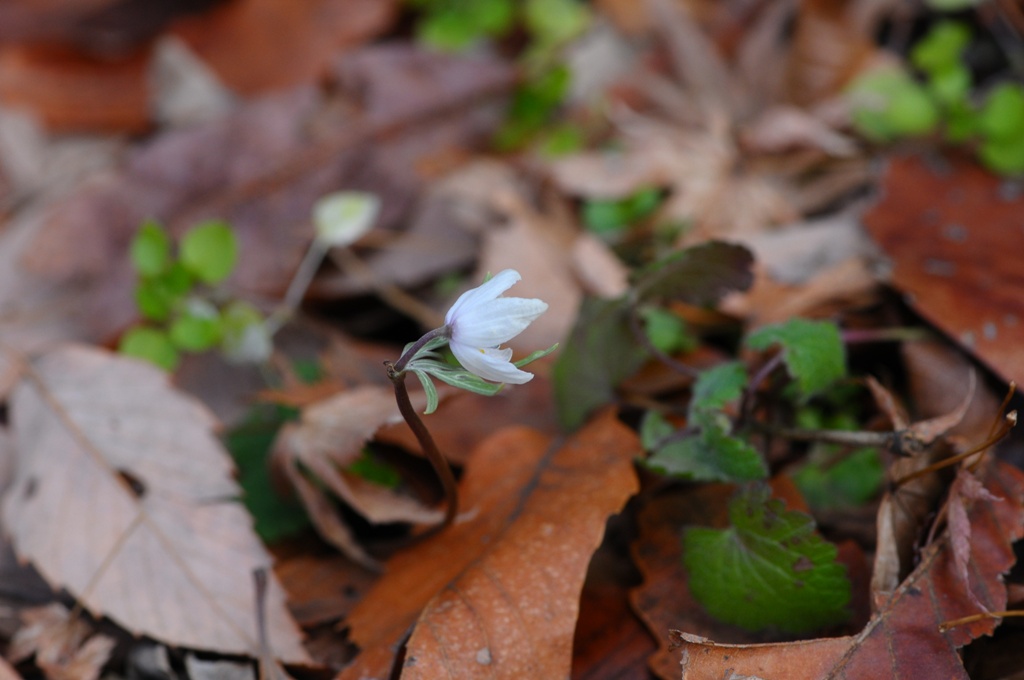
{"x": 492, "y": 323}
{"x": 490, "y": 364}
{"x": 483, "y": 293}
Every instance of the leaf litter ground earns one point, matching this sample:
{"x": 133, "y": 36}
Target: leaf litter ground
{"x": 120, "y": 490}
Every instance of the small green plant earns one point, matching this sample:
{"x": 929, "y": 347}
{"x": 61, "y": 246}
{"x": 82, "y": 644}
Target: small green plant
{"x": 177, "y": 296}
{"x": 548, "y": 25}
{"x": 769, "y": 568}
{"x": 609, "y": 217}
{"x": 892, "y": 103}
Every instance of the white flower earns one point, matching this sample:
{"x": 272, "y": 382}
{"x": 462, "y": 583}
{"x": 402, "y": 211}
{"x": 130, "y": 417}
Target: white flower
{"x": 480, "y": 320}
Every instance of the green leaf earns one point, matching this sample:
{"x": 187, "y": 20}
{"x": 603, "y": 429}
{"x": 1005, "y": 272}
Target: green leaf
{"x": 705, "y": 456}
{"x": 952, "y": 5}
{"x": 555, "y": 21}
{"x": 951, "y": 85}
{"x": 373, "y": 470}
{"x": 812, "y": 351}
{"x": 429, "y": 389}
{"x": 197, "y": 329}
{"x": 606, "y": 215}
{"x": 250, "y": 443}
{"x": 601, "y": 352}
{"x": 718, "y": 386}
{"x": 1003, "y": 156}
{"x": 209, "y": 251}
{"x": 888, "y": 104}
{"x": 533, "y": 356}
{"x": 1002, "y": 116}
{"x": 151, "y": 249}
{"x": 699, "y": 275}
{"x": 667, "y": 331}
{"x": 532, "y": 107}
{"x": 456, "y": 377}
{"x": 150, "y": 344}
{"x": 768, "y": 569}
{"x": 939, "y": 50}
{"x": 850, "y": 482}
{"x": 245, "y": 337}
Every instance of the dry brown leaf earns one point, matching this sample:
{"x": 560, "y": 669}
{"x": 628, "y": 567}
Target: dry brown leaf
{"x": 538, "y": 246}
{"x": 952, "y": 231}
{"x": 72, "y": 91}
{"x": 263, "y": 45}
{"x": 123, "y": 496}
{"x": 828, "y": 48}
{"x": 903, "y": 639}
{"x": 329, "y": 437}
{"x": 903, "y": 513}
{"x": 497, "y": 594}
{"x": 65, "y": 647}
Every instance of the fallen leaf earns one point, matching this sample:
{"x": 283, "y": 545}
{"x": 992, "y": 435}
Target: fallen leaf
{"x": 965, "y": 489}
{"x": 330, "y": 437}
{"x": 903, "y": 639}
{"x": 74, "y": 92}
{"x": 904, "y": 512}
{"x": 498, "y": 593}
{"x": 65, "y": 647}
{"x": 830, "y": 44}
{"x": 123, "y": 496}
{"x": 232, "y": 39}
{"x": 952, "y": 231}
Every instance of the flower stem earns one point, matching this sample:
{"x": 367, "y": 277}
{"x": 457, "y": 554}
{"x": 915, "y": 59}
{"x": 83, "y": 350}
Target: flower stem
{"x": 405, "y": 407}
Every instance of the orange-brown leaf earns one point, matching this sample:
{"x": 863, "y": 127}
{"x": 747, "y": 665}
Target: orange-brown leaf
{"x": 497, "y": 594}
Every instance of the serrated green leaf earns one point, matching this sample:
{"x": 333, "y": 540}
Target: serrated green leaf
{"x": 699, "y": 275}
{"x": 718, "y": 386}
{"x": 812, "y": 351}
{"x": 209, "y": 250}
{"x": 429, "y": 389}
{"x": 150, "y": 344}
{"x": 710, "y": 455}
{"x": 768, "y": 570}
{"x": 601, "y": 352}
{"x": 151, "y": 249}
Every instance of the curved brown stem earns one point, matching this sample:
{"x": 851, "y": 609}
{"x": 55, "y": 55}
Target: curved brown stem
{"x": 440, "y": 464}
